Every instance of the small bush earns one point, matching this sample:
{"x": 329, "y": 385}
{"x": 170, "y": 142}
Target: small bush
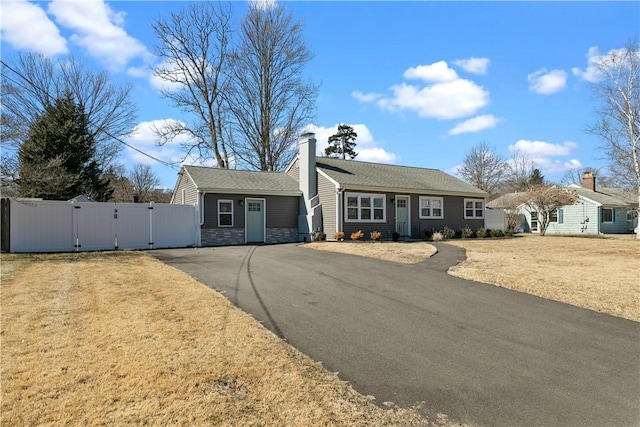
{"x": 497, "y": 233}
{"x": 375, "y": 235}
{"x": 481, "y": 233}
{"x": 395, "y": 236}
{"x": 320, "y": 236}
{"x": 338, "y": 235}
{"x": 465, "y": 232}
{"x": 358, "y": 235}
{"x": 447, "y": 233}
{"x": 437, "y": 236}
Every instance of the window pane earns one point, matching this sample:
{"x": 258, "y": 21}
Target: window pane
{"x": 479, "y": 214}
{"x": 437, "y": 212}
{"x": 365, "y": 202}
{"x": 352, "y": 213}
{"x": 365, "y": 214}
{"x": 378, "y": 214}
{"x": 469, "y": 212}
{"x": 225, "y": 206}
{"x": 468, "y": 205}
{"x": 377, "y": 202}
{"x": 424, "y": 212}
{"x": 225, "y": 219}
{"x": 352, "y": 201}
{"x": 425, "y": 203}
{"x": 437, "y": 203}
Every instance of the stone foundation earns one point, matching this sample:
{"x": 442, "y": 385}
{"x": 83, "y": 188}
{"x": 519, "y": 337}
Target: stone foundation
{"x": 221, "y": 236}
{"x": 282, "y": 235}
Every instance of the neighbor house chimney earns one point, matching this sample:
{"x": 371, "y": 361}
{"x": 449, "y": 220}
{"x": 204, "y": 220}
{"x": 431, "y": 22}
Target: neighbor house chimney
{"x": 307, "y": 182}
{"x": 589, "y": 181}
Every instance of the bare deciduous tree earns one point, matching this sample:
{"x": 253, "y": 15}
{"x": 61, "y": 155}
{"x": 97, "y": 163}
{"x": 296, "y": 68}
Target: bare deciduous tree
{"x": 619, "y": 113}
{"x": 270, "y": 101}
{"x": 143, "y": 181}
{"x": 521, "y": 168}
{"x": 32, "y": 81}
{"x": 574, "y": 176}
{"x": 545, "y": 199}
{"x": 484, "y": 168}
{"x": 194, "y": 46}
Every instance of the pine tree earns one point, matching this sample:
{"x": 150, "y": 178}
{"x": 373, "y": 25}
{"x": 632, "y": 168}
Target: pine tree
{"x": 342, "y": 144}
{"x": 56, "y": 160}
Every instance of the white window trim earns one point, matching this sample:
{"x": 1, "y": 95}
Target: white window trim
{"x": 225, "y": 213}
{"x": 441, "y": 199}
{"x": 464, "y": 206}
{"x": 613, "y": 212}
{"x": 183, "y": 195}
{"x": 360, "y": 196}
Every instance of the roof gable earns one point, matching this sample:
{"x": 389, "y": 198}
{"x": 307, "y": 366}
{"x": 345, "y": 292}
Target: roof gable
{"x": 353, "y": 174}
{"x": 242, "y": 182}
{"x": 599, "y": 197}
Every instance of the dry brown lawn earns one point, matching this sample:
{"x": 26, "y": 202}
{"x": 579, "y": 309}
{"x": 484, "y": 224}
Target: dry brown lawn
{"x": 403, "y": 252}
{"x": 122, "y": 339}
{"x": 599, "y": 273}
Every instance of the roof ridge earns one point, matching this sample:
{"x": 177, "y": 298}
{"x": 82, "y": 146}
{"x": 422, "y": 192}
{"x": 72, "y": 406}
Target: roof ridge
{"x": 319, "y": 159}
{"x": 233, "y": 170}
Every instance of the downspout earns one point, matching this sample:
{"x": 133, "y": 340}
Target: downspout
{"x": 339, "y": 209}
{"x": 200, "y": 213}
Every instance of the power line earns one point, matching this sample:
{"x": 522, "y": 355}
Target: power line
{"x": 163, "y": 162}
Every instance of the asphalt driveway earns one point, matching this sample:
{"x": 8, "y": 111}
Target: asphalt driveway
{"x": 417, "y": 337}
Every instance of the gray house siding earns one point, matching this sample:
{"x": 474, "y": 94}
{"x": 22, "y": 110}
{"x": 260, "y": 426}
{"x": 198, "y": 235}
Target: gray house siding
{"x": 294, "y": 171}
{"x": 188, "y": 188}
{"x": 581, "y": 218}
{"x": 281, "y": 219}
{"x": 327, "y": 197}
{"x": 619, "y": 224}
{"x": 453, "y": 218}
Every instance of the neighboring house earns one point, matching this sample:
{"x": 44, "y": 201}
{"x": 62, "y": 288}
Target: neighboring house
{"x": 328, "y": 195}
{"x": 598, "y": 211}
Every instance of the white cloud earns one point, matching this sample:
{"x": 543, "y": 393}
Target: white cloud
{"x": 367, "y": 147}
{"x": 25, "y": 26}
{"x": 366, "y": 97}
{"x": 99, "y": 30}
{"x": 475, "y": 124}
{"x": 546, "y": 82}
{"x": 591, "y": 73}
{"x": 444, "y": 95}
{"x": 573, "y": 164}
{"x": 542, "y": 148}
{"x": 438, "y": 72}
{"x": 473, "y": 65}
{"x": 263, "y": 4}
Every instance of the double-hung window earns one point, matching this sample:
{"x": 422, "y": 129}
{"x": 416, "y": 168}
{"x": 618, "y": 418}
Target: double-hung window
{"x": 608, "y": 215}
{"x": 365, "y": 207}
{"x": 473, "y": 208}
{"x": 225, "y": 213}
{"x": 431, "y": 207}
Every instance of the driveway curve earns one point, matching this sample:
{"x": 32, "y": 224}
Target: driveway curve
{"x": 417, "y": 337}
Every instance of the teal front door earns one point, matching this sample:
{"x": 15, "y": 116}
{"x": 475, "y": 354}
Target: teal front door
{"x": 255, "y": 215}
{"x": 402, "y": 215}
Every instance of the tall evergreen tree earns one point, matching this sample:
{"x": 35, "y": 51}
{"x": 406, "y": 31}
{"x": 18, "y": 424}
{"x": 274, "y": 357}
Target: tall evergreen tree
{"x": 342, "y": 144}
{"x": 55, "y": 161}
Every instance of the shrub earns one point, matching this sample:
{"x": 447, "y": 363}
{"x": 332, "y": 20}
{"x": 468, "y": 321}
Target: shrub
{"x": 375, "y": 235}
{"x": 465, "y": 232}
{"x": 448, "y": 233}
{"x": 358, "y": 235}
{"x": 395, "y": 236}
{"x": 437, "y": 236}
{"x": 338, "y": 235}
{"x": 320, "y": 236}
{"x": 481, "y": 233}
{"x": 497, "y": 233}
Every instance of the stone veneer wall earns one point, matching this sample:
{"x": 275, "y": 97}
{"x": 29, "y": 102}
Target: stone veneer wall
{"x": 221, "y": 236}
{"x": 235, "y": 236}
{"x": 282, "y": 235}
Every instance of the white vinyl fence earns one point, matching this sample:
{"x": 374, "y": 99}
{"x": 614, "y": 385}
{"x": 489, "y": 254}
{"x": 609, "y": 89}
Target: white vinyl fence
{"x": 56, "y": 226}
{"x": 495, "y": 219}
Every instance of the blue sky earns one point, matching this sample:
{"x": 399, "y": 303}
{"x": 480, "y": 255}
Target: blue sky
{"x": 421, "y": 82}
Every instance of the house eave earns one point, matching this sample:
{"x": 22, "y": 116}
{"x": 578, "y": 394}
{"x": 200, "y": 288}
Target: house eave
{"x": 399, "y": 190}
{"x": 251, "y": 192}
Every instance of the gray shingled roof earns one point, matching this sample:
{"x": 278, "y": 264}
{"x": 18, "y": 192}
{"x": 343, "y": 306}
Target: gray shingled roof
{"x": 243, "y": 182}
{"x": 352, "y": 174}
{"x": 599, "y": 197}
{"x": 507, "y": 201}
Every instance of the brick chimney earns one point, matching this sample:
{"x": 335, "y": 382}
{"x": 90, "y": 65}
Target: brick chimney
{"x": 589, "y": 181}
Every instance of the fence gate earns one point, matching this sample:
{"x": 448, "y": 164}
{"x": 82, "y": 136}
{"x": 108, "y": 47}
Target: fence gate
{"x": 56, "y": 226}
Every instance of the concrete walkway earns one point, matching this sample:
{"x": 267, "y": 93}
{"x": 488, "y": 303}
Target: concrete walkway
{"x": 415, "y": 336}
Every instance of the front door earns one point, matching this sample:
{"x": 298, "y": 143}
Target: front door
{"x": 402, "y": 215}
{"x": 255, "y": 221}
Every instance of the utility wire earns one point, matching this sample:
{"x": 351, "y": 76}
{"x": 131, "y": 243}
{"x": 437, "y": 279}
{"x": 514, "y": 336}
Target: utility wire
{"x": 163, "y": 162}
